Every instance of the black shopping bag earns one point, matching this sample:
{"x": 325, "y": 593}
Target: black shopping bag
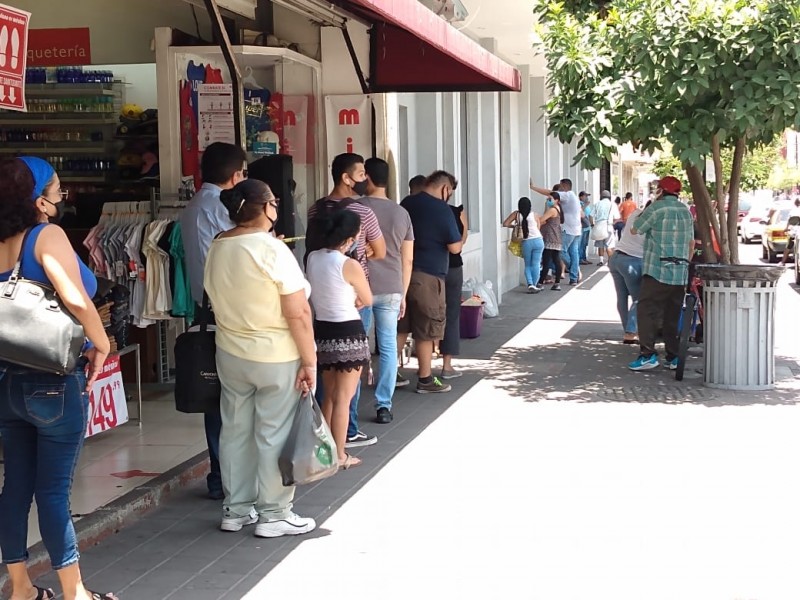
{"x": 309, "y": 453}
{"x": 197, "y": 386}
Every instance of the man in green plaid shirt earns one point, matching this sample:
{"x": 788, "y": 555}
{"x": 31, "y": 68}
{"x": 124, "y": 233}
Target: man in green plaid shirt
{"x": 668, "y": 228}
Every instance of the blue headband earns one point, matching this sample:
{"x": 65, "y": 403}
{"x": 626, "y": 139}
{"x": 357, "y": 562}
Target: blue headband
{"x": 42, "y": 173}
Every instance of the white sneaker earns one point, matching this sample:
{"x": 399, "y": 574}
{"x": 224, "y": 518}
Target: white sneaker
{"x": 231, "y": 522}
{"x": 292, "y": 524}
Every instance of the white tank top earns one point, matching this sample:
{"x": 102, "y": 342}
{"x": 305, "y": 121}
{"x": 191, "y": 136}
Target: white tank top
{"x": 533, "y": 227}
{"x": 334, "y": 299}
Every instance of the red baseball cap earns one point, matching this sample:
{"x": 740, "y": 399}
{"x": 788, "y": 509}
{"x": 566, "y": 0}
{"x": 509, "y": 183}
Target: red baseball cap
{"x": 670, "y": 185}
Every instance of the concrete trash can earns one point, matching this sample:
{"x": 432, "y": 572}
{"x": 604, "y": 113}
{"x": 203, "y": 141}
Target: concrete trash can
{"x": 739, "y": 325}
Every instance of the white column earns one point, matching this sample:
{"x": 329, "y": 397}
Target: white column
{"x": 539, "y": 147}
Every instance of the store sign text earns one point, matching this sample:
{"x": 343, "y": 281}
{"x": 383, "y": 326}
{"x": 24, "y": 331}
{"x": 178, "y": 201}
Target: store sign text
{"x": 59, "y": 47}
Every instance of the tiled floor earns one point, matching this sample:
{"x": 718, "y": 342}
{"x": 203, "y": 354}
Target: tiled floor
{"x": 165, "y": 439}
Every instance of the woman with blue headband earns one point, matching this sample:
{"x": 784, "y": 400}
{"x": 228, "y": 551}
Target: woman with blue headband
{"x": 43, "y": 416}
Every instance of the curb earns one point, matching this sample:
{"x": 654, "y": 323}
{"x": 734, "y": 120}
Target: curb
{"x": 122, "y": 512}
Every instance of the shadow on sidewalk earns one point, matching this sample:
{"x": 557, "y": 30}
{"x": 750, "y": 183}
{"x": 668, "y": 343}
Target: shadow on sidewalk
{"x": 584, "y": 367}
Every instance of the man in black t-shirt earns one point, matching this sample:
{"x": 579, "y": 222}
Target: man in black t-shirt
{"x": 436, "y": 235}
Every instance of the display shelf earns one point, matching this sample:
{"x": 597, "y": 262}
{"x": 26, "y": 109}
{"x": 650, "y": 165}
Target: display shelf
{"x": 68, "y": 89}
{"x": 45, "y": 118}
{"x": 47, "y": 149}
{"x": 84, "y": 179}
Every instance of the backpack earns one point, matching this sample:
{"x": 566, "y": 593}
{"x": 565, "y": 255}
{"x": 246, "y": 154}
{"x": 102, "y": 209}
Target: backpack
{"x": 315, "y": 232}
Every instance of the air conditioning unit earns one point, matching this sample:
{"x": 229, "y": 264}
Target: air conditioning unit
{"x": 450, "y": 10}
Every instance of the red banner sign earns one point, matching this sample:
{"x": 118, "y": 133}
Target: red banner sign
{"x": 13, "y": 45}
{"x": 59, "y": 47}
{"x": 108, "y": 406}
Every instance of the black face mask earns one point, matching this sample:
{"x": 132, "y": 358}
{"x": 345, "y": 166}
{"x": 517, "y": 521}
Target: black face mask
{"x": 271, "y": 221}
{"x": 59, "y": 206}
{"x": 360, "y": 187}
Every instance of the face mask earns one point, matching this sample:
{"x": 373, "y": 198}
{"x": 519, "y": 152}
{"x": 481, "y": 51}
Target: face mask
{"x": 550, "y": 204}
{"x": 353, "y": 249}
{"x": 59, "y": 206}
{"x": 271, "y": 221}
{"x": 360, "y": 187}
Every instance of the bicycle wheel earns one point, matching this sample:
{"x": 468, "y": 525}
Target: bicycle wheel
{"x": 687, "y": 318}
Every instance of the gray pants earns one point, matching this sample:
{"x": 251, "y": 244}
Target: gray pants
{"x": 258, "y": 404}
{"x": 451, "y": 344}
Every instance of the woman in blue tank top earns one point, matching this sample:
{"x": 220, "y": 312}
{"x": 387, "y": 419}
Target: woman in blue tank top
{"x": 43, "y": 417}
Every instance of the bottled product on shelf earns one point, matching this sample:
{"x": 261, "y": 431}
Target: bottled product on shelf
{"x": 82, "y": 164}
{"x": 27, "y": 134}
{"x": 67, "y": 75}
{"x": 85, "y": 104}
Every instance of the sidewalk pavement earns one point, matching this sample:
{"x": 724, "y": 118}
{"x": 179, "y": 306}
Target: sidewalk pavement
{"x": 549, "y": 472}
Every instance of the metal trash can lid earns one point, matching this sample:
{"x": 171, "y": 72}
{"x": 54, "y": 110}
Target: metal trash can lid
{"x": 766, "y": 273}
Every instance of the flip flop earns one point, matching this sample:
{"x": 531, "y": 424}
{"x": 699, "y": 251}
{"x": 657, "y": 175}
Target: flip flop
{"x": 349, "y": 462}
{"x": 99, "y": 596}
{"x": 44, "y": 593}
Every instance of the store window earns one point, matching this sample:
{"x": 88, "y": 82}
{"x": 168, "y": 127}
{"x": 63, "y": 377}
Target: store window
{"x": 469, "y": 156}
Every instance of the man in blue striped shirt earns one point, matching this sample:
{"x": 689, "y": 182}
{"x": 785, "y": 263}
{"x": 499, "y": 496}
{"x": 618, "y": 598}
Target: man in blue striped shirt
{"x": 668, "y": 228}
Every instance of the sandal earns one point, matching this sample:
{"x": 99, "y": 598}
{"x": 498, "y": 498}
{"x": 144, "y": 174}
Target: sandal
{"x": 349, "y": 462}
{"x": 99, "y": 596}
{"x": 44, "y": 593}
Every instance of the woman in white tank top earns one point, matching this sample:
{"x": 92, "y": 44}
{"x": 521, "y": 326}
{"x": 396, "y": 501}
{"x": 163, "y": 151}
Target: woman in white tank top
{"x": 532, "y": 242}
{"x": 338, "y": 288}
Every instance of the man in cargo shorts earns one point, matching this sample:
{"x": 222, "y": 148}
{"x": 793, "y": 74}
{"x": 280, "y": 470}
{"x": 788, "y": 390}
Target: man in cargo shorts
{"x": 436, "y": 235}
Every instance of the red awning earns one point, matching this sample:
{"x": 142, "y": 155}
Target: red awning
{"x": 414, "y": 50}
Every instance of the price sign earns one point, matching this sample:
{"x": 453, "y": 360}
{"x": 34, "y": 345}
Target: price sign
{"x": 107, "y": 405}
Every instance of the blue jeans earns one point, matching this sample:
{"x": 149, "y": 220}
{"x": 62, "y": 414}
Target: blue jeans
{"x": 386, "y": 310}
{"x": 570, "y": 255}
{"x": 43, "y": 421}
{"x": 352, "y": 427}
{"x": 532, "y": 251}
{"x": 627, "y": 273}
{"x": 585, "y": 243}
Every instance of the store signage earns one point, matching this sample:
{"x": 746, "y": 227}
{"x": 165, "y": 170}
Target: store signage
{"x": 215, "y": 112}
{"x": 13, "y": 45}
{"x": 349, "y": 125}
{"x": 295, "y": 128}
{"x": 108, "y": 407}
{"x": 59, "y": 47}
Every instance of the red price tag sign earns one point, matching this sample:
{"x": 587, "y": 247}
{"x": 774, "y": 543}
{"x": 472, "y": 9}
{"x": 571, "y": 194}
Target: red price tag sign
{"x": 107, "y": 405}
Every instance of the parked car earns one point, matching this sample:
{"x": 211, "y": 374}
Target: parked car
{"x": 775, "y": 238}
{"x": 752, "y": 214}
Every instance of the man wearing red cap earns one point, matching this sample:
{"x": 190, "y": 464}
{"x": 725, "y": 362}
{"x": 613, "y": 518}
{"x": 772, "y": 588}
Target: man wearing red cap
{"x": 669, "y": 242}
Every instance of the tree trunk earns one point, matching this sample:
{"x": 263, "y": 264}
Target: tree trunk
{"x": 733, "y": 197}
{"x": 723, "y": 238}
{"x": 705, "y": 214}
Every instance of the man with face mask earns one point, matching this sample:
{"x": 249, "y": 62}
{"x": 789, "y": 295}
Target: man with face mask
{"x": 222, "y": 167}
{"x": 350, "y": 184}
{"x": 436, "y": 236}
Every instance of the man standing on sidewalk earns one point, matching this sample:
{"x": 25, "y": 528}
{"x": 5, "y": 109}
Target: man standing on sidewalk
{"x": 669, "y": 243}
{"x": 389, "y": 280}
{"x": 350, "y": 179}
{"x": 572, "y": 230}
{"x": 436, "y": 236}
{"x": 222, "y": 167}
{"x": 586, "y": 226}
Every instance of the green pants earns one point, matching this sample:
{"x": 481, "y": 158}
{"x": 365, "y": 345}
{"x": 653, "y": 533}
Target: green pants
{"x": 258, "y": 404}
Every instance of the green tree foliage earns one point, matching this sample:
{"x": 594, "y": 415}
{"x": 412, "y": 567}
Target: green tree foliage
{"x": 705, "y": 75}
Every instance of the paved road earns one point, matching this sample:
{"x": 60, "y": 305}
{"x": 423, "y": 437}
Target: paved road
{"x": 550, "y": 473}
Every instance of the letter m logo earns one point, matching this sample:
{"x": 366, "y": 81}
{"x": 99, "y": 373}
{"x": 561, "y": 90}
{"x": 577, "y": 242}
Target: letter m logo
{"x": 349, "y": 117}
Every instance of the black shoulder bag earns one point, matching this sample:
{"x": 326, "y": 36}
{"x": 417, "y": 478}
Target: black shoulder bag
{"x": 197, "y": 386}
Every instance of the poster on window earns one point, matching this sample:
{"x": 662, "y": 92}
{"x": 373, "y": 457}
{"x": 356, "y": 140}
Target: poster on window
{"x": 108, "y": 407}
{"x": 295, "y": 128}
{"x": 215, "y": 114}
{"x": 348, "y": 122}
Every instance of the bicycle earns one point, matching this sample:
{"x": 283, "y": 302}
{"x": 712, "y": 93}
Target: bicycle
{"x": 690, "y": 321}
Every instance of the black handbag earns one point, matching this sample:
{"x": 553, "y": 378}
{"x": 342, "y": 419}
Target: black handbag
{"x": 37, "y": 331}
{"x": 197, "y": 386}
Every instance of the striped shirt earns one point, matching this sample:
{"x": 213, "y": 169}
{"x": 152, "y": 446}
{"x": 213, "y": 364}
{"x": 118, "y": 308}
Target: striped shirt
{"x": 669, "y": 233}
{"x": 370, "y": 228}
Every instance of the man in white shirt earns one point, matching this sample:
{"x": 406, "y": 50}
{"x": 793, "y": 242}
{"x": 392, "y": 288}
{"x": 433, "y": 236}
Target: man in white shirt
{"x": 223, "y": 166}
{"x": 571, "y": 230}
